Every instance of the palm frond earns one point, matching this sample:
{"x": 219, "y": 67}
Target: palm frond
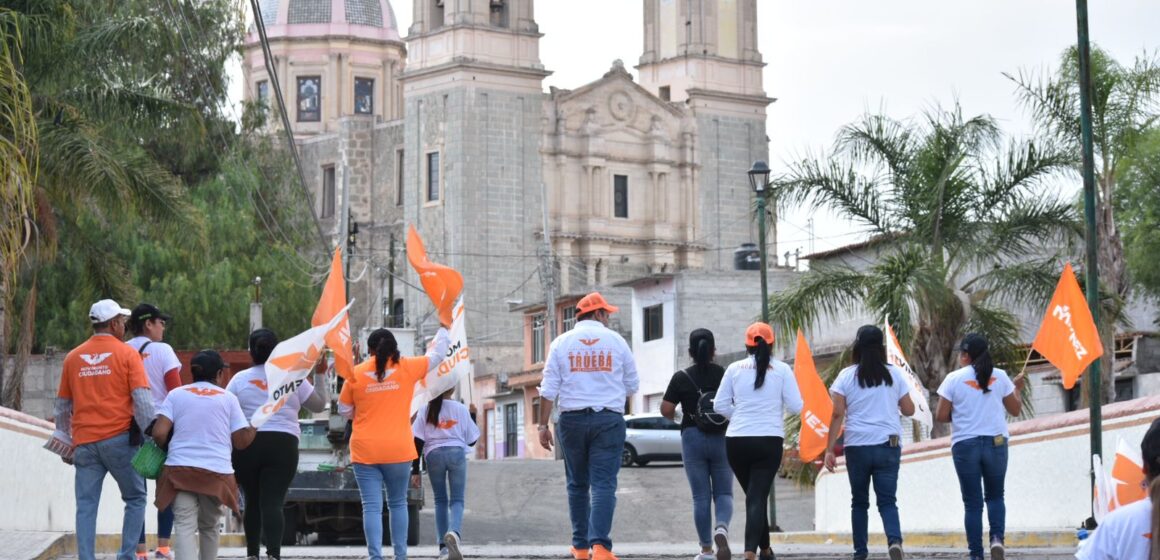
{"x": 836, "y": 187}
{"x": 1026, "y": 283}
{"x": 1051, "y": 103}
{"x": 878, "y": 139}
{"x": 823, "y": 292}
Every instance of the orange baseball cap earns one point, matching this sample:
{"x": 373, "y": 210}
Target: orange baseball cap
{"x": 756, "y": 331}
{"x": 594, "y": 301}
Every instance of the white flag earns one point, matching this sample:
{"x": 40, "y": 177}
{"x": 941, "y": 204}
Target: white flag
{"x": 455, "y": 368}
{"x": 290, "y": 364}
{"x": 918, "y": 393}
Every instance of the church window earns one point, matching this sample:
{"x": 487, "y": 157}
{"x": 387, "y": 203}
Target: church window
{"x": 499, "y": 13}
{"x": 436, "y": 14}
{"x": 364, "y": 99}
{"x": 433, "y": 177}
{"x": 327, "y": 192}
{"x": 309, "y": 98}
{"x": 263, "y": 88}
{"x": 620, "y": 196}
{"x": 399, "y": 160}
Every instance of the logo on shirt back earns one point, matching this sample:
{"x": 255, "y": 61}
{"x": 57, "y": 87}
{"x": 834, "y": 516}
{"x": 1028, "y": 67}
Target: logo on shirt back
{"x": 590, "y": 362}
{"x": 203, "y": 392}
{"x": 975, "y": 384}
{"x": 94, "y": 359}
{"x": 259, "y": 384}
{"x": 589, "y": 341}
{"x": 447, "y": 424}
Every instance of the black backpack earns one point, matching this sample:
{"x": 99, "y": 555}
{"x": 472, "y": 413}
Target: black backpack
{"x": 704, "y": 416}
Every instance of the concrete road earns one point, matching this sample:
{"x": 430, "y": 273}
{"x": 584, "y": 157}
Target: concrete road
{"x": 524, "y": 502}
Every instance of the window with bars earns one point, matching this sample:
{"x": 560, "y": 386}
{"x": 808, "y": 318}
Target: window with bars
{"x": 400, "y": 159}
{"x": 567, "y": 318}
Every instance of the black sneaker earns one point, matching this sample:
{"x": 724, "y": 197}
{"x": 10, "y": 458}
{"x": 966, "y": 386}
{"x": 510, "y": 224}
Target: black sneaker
{"x": 766, "y": 556}
{"x": 895, "y": 552}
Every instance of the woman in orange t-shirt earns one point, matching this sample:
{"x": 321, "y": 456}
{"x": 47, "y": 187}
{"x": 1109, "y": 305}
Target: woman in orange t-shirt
{"x": 378, "y": 399}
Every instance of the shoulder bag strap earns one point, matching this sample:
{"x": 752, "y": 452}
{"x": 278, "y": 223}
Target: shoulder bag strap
{"x": 694, "y": 382}
{"x": 141, "y": 350}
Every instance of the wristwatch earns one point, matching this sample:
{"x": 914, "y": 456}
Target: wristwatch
{"x": 543, "y": 426}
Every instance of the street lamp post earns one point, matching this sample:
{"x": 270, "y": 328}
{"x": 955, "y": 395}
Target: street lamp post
{"x": 759, "y": 181}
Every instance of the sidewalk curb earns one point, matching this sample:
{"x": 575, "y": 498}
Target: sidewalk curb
{"x": 1045, "y": 538}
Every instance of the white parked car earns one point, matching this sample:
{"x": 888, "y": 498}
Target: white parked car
{"x": 650, "y": 437}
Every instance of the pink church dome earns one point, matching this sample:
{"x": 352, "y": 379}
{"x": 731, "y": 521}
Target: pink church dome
{"x": 363, "y": 19}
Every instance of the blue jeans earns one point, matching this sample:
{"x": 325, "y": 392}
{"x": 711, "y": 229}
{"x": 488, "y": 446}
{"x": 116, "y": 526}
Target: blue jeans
{"x": 92, "y": 461}
{"x": 710, "y": 479}
{"x": 448, "y": 465}
{"x": 593, "y": 443}
{"x": 982, "y": 468}
{"x": 164, "y": 524}
{"x": 877, "y": 464}
{"x": 370, "y": 479}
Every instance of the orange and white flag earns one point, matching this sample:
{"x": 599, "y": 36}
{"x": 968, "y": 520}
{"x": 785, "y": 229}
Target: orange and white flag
{"x": 332, "y": 302}
{"x": 817, "y": 408}
{"x": 1067, "y": 336}
{"x": 1128, "y": 474}
{"x": 918, "y": 393}
{"x": 444, "y": 286}
{"x": 291, "y": 363}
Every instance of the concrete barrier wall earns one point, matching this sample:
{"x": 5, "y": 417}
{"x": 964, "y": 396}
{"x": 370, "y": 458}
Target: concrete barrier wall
{"x": 1047, "y": 475}
{"x": 37, "y": 487}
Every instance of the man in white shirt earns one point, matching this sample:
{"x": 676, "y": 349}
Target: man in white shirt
{"x": 590, "y": 370}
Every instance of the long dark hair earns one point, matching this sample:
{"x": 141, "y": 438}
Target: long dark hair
{"x": 702, "y": 346}
{"x": 869, "y": 355}
{"x": 1150, "y": 450}
{"x": 262, "y": 343}
{"x": 386, "y": 350}
{"x": 761, "y": 352}
{"x": 975, "y": 346}
{"x": 435, "y": 406}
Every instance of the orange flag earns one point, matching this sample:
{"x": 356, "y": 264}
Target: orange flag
{"x": 817, "y": 409}
{"x": 443, "y": 284}
{"x": 1128, "y": 474}
{"x": 332, "y": 302}
{"x": 1067, "y": 336}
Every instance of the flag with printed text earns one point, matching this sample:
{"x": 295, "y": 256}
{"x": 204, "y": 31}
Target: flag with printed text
{"x": 444, "y": 286}
{"x": 1067, "y": 335}
{"x": 817, "y": 407}
{"x": 918, "y": 393}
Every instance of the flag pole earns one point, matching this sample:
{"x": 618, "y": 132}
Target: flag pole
{"x": 1089, "y": 210}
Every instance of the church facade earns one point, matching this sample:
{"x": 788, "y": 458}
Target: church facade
{"x": 537, "y": 196}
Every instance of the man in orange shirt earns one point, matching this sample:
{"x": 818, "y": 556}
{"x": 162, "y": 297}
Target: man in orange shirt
{"x": 103, "y": 391}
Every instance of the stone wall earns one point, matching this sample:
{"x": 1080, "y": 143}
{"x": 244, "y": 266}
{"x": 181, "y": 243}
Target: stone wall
{"x": 726, "y": 148}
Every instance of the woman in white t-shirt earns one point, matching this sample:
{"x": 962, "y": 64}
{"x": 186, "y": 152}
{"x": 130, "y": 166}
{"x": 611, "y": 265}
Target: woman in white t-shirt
{"x": 868, "y": 397}
{"x": 199, "y": 423}
{"x": 266, "y": 469}
{"x": 1129, "y": 532}
{"x": 976, "y": 400}
{"x": 443, "y": 430}
{"x": 754, "y": 394}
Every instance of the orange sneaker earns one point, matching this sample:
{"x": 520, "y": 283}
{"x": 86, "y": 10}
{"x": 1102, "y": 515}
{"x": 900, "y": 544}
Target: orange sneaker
{"x": 601, "y": 553}
{"x": 579, "y": 553}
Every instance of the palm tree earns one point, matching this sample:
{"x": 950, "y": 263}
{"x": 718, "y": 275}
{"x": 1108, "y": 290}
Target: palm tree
{"x": 104, "y": 80}
{"x": 964, "y": 221}
{"x": 1124, "y": 105}
{"x": 18, "y": 149}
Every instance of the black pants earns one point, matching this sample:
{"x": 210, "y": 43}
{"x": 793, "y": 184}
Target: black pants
{"x": 265, "y": 470}
{"x": 755, "y": 461}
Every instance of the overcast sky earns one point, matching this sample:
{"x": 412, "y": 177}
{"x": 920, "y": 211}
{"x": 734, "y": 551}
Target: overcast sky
{"x": 829, "y": 61}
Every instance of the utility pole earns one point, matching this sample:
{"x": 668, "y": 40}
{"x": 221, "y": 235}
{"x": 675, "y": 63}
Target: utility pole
{"x": 548, "y": 272}
{"x": 1089, "y": 210}
{"x": 256, "y": 305}
{"x": 391, "y": 285}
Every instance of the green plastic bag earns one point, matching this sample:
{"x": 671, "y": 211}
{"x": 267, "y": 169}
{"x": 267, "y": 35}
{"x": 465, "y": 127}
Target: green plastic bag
{"x": 149, "y": 460}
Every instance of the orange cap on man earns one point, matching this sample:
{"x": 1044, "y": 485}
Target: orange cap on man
{"x": 594, "y": 301}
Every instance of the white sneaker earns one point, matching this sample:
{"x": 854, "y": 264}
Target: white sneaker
{"x": 451, "y": 540}
{"x": 721, "y": 539}
{"x": 997, "y": 550}
{"x": 705, "y": 556}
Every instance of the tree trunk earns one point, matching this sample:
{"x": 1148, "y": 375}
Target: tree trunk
{"x": 1113, "y": 280}
{"x": 4, "y": 324}
{"x": 13, "y": 396}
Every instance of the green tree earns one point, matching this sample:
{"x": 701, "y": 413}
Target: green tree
{"x": 1124, "y": 104}
{"x": 963, "y": 222}
{"x": 114, "y": 91}
{"x": 1138, "y": 211}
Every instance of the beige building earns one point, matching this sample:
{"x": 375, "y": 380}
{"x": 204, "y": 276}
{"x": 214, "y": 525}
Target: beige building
{"x": 450, "y": 130}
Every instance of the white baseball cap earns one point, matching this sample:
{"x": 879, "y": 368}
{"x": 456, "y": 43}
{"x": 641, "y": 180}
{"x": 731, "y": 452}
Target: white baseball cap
{"x": 106, "y": 309}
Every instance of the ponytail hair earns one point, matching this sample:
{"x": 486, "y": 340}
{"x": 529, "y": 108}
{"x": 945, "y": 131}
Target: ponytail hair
{"x": 975, "y": 346}
{"x": 701, "y": 346}
{"x": 386, "y": 350}
{"x": 1150, "y": 451}
{"x": 262, "y": 343}
{"x": 869, "y": 355}
{"x": 433, "y": 409}
{"x": 761, "y": 356}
